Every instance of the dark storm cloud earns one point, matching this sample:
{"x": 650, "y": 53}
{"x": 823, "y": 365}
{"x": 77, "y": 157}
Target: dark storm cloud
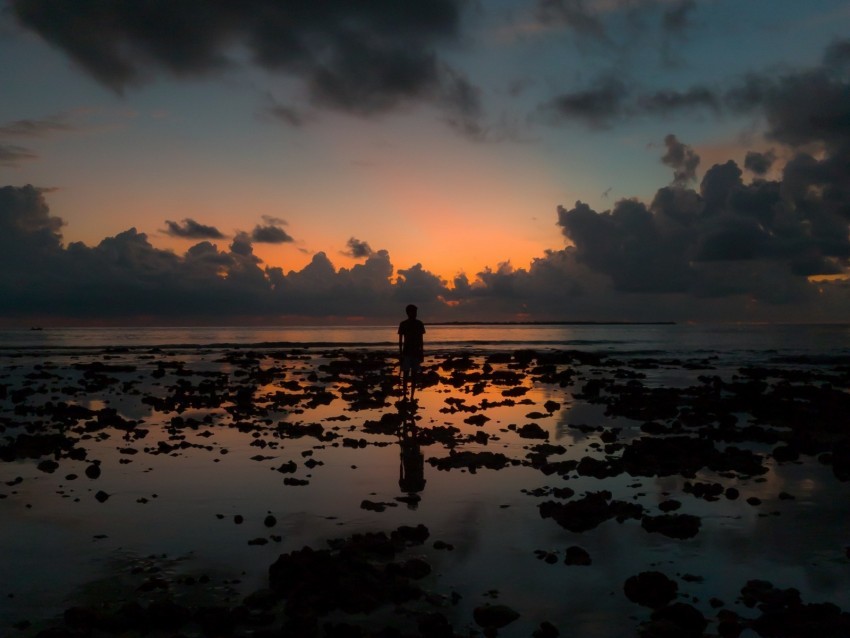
{"x": 682, "y": 159}
{"x": 759, "y": 163}
{"x": 190, "y": 229}
{"x": 728, "y": 238}
{"x": 707, "y": 254}
{"x": 362, "y": 58}
{"x": 13, "y": 155}
{"x": 358, "y": 249}
{"x": 799, "y": 107}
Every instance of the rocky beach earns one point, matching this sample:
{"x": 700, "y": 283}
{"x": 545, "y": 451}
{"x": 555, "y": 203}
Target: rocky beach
{"x": 280, "y": 490}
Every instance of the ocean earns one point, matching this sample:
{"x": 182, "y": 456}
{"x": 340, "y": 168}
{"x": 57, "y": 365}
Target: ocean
{"x": 728, "y": 340}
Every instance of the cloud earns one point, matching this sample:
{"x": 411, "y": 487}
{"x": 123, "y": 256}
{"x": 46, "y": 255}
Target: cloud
{"x": 597, "y": 106}
{"x": 676, "y": 18}
{"x": 271, "y": 233}
{"x": 759, "y": 163}
{"x": 574, "y": 14}
{"x": 682, "y": 159}
{"x": 287, "y": 114}
{"x": 190, "y": 229}
{"x": 36, "y": 128}
{"x": 357, "y": 249}
{"x": 727, "y": 250}
{"x": 666, "y": 101}
{"x": 361, "y": 58}
{"x": 762, "y": 239}
{"x": 676, "y": 21}
{"x": 799, "y": 108}
{"x": 12, "y": 155}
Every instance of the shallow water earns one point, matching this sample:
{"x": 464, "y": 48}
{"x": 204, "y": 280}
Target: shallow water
{"x": 60, "y": 541}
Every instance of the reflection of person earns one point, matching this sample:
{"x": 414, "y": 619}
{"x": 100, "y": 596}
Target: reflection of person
{"x": 411, "y": 474}
{"x": 411, "y": 349}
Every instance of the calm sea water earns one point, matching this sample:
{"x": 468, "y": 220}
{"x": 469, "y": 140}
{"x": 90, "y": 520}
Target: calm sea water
{"x": 832, "y": 340}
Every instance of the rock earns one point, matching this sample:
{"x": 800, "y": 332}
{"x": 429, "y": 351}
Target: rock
{"x": 471, "y": 460}
{"x": 678, "y": 620}
{"x": 667, "y": 456}
{"x": 416, "y": 568}
{"x": 532, "y": 431}
{"x": 477, "y": 419}
{"x": 261, "y": 599}
{"x": 407, "y": 535}
{"x": 494, "y": 616}
{"x": 434, "y": 625}
{"x": 372, "y": 506}
{"x": 650, "y": 589}
{"x": 101, "y": 496}
{"x": 93, "y": 470}
{"x": 679, "y": 526}
{"x": 590, "y": 511}
{"x": 669, "y": 505}
{"x": 546, "y": 630}
{"x": 577, "y": 556}
{"x": 48, "y": 465}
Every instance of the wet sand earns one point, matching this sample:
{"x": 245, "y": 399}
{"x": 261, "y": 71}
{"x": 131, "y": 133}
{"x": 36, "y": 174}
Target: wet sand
{"x": 173, "y": 491}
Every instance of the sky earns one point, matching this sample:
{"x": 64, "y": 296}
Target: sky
{"x": 211, "y": 162}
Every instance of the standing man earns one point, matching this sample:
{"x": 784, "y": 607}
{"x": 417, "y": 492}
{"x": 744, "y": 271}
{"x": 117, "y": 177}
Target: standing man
{"x": 411, "y": 349}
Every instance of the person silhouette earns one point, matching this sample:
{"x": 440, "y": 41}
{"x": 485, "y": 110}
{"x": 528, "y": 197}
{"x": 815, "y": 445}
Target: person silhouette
{"x": 411, "y": 350}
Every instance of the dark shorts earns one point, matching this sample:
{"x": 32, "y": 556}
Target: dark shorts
{"x": 410, "y": 363}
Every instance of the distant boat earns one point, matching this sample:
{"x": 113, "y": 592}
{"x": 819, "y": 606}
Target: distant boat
{"x": 36, "y": 328}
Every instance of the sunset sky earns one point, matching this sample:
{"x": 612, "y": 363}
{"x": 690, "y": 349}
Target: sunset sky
{"x": 211, "y": 161}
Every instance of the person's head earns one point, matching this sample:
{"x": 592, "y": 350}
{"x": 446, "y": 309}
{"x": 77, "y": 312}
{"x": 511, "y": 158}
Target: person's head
{"x": 411, "y": 311}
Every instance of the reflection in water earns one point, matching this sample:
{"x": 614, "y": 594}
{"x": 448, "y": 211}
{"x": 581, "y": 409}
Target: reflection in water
{"x": 411, "y": 473}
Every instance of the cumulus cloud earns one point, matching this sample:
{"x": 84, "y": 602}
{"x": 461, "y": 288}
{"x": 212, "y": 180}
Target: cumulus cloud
{"x": 362, "y": 58}
{"x": 682, "y": 159}
{"x": 727, "y": 250}
{"x": 357, "y": 249}
{"x": 709, "y": 247}
{"x": 728, "y": 238}
{"x": 271, "y": 232}
{"x": 759, "y": 163}
{"x": 190, "y": 229}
